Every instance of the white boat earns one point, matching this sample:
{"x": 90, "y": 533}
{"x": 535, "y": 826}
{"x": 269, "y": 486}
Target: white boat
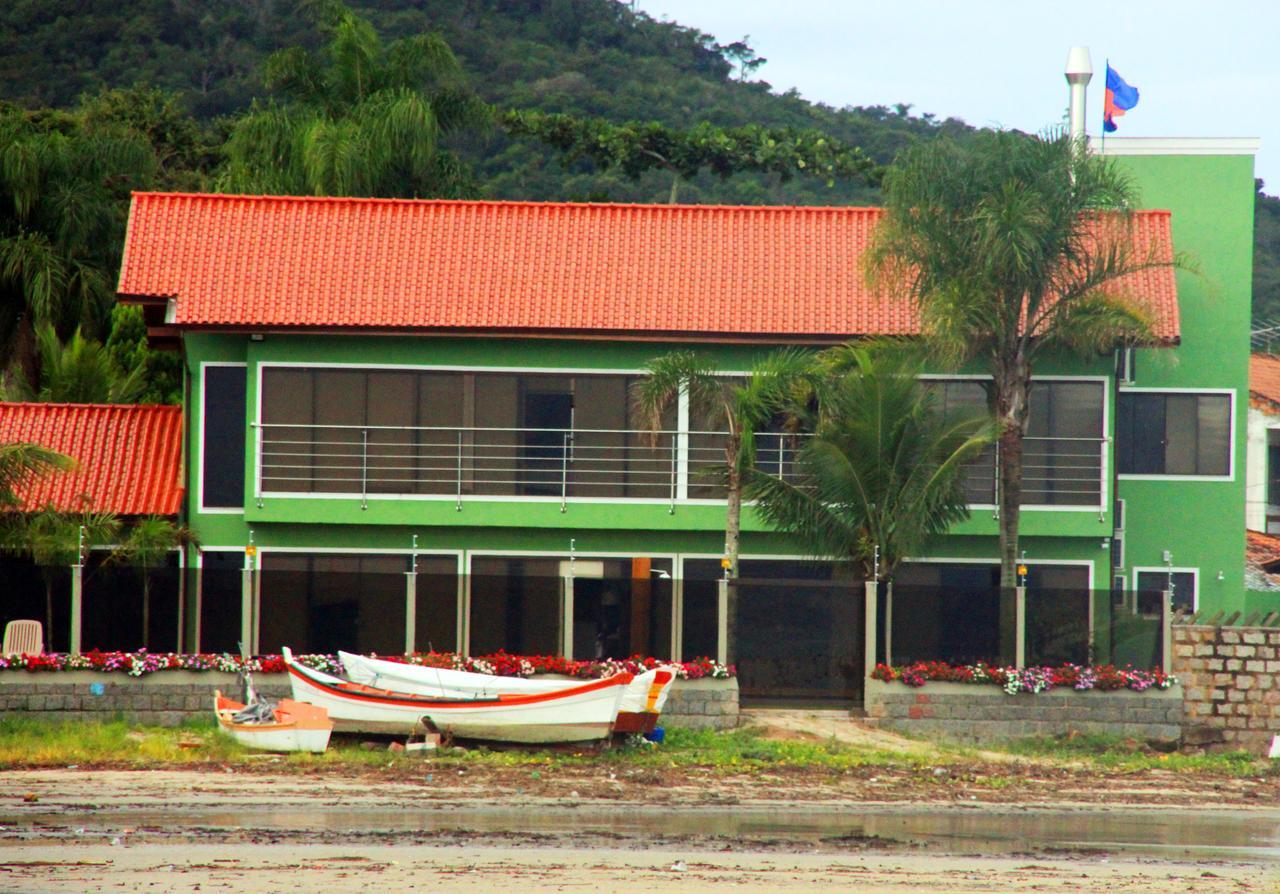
{"x": 578, "y": 714}
{"x": 293, "y": 726}
{"x": 638, "y": 710}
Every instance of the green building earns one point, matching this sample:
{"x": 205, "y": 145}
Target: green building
{"x": 376, "y": 387}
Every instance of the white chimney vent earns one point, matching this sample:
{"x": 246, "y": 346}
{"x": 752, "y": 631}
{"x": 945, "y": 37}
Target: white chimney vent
{"x": 1079, "y": 72}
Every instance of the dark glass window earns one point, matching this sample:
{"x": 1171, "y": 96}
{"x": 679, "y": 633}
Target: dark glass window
{"x": 1173, "y": 434}
{"x": 1152, "y": 583}
{"x": 223, "y": 433}
{"x": 1062, "y": 454}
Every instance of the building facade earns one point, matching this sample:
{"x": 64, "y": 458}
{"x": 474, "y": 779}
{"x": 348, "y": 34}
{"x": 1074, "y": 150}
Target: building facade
{"x": 379, "y": 387}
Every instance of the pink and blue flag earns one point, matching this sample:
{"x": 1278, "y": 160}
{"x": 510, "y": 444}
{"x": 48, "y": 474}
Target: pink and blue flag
{"x": 1120, "y": 99}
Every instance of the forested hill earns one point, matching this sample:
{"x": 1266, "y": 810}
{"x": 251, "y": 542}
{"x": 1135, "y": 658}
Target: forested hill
{"x": 586, "y": 57}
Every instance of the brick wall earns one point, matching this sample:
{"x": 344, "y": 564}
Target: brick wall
{"x": 168, "y": 698}
{"x": 1231, "y": 685}
{"x": 975, "y": 715}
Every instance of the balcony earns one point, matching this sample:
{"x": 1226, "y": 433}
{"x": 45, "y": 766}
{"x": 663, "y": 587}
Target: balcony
{"x": 601, "y": 465}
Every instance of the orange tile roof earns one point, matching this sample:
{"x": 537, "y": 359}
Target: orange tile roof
{"x": 1264, "y": 382}
{"x": 129, "y": 458}
{"x": 604, "y": 269}
{"x": 1262, "y": 550}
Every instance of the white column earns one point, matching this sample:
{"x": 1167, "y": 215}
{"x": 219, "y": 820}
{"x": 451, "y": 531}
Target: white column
{"x": 722, "y": 621}
{"x": 77, "y": 590}
{"x": 1020, "y": 631}
{"x": 566, "y": 616}
{"x": 682, "y": 445}
{"x": 410, "y": 611}
{"x": 1166, "y": 631}
{"x": 871, "y": 597}
{"x": 246, "y": 612}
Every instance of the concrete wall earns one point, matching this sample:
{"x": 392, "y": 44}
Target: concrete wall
{"x": 1231, "y": 680}
{"x": 168, "y": 698}
{"x": 974, "y": 715}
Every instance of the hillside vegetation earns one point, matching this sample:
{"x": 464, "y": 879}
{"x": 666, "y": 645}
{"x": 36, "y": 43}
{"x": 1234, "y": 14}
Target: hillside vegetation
{"x": 588, "y": 58}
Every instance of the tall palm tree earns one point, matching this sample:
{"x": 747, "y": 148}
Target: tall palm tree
{"x": 883, "y": 470}
{"x": 737, "y": 405}
{"x": 1012, "y": 247}
{"x": 149, "y": 541}
{"x": 64, "y": 190}
{"x": 359, "y": 117}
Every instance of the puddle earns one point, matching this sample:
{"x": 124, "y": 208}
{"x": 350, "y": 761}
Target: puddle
{"x": 1224, "y": 835}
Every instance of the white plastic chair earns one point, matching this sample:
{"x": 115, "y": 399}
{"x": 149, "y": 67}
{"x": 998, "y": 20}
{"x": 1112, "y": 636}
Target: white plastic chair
{"x": 23, "y": 638}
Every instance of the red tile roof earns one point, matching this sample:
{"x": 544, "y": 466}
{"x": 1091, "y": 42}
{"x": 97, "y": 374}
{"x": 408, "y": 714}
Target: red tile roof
{"x": 129, "y": 458}
{"x": 1264, "y": 382}
{"x": 1262, "y": 550}
{"x": 605, "y": 269}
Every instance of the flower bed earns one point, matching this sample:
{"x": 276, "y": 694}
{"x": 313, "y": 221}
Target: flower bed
{"x": 1029, "y": 679}
{"x": 140, "y": 663}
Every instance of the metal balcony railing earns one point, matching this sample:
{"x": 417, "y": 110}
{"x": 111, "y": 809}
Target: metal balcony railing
{"x": 611, "y": 464}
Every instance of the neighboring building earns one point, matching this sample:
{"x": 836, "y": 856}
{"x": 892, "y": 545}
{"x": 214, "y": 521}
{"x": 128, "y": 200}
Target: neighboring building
{"x": 128, "y": 464}
{"x": 371, "y": 377}
{"x": 1262, "y": 509}
{"x": 1262, "y": 563}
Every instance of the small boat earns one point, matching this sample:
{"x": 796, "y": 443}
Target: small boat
{"x": 290, "y": 725}
{"x": 638, "y": 710}
{"x": 580, "y": 713}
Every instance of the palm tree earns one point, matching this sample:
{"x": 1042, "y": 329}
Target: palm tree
{"x": 64, "y": 190}
{"x": 20, "y": 463}
{"x": 739, "y": 406}
{"x": 148, "y": 543}
{"x": 54, "y": 540}
{"x": 359, "y": 117}
{"x": 1011, "y": 247}
{"x": 882, "y": 472}
{"x": 80, "y": 371}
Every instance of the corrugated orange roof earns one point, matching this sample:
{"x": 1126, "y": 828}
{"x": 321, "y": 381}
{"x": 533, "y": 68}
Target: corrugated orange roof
{"x": 608, "y": 269}
{"x": 1264, "y": 381}
{"x": 129, "y": 458}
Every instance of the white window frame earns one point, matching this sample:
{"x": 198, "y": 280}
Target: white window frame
{"x": 1231, "y": 442}
{"x": 1165, "y": 569}
{"x": 1108, "y": 455}
{"x": 201, "y": 508}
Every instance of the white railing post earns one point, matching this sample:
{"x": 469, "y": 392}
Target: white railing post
{"x": 682, "y": 445}
{"x": 364, "y": 468}
{"x": 458, "y": 503}
{"x": 675, "y": 473}
{"x": 564, "y": 475}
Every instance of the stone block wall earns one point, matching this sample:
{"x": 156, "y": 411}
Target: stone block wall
{"x": 1231, "y": 685}
{"x": 168, "y": 698}
{"x": 979, "y": 715}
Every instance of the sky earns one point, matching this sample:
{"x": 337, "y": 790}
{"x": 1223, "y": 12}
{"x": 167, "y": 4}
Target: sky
{"x": 1208, "y": 68}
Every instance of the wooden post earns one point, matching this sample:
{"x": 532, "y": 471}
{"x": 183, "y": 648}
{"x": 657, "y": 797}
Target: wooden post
{"x": 871, "y": 592}
{"x": 77, "y": 589}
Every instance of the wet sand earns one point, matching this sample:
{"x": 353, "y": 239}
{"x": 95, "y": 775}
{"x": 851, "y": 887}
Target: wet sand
{"x": 257, "y": 832}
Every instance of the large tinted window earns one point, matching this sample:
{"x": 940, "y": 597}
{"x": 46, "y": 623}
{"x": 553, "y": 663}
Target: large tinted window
{"x": 223, "y": 434}
{"x": 1062, "y": 455}
{"x": 1168, "y": 433}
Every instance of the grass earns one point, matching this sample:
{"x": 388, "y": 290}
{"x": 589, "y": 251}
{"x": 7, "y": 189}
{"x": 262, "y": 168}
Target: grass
{"x": 27, "y": 742}
{"x": 1114, "y": 753}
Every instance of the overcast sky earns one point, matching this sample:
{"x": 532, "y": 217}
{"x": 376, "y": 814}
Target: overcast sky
{"x": 1203, "y": 67}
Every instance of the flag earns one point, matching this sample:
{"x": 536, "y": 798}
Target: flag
{"x": 1120, "y": 98}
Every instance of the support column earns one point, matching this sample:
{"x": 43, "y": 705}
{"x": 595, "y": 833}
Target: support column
{"x": 246, "y": 612}
{"x": 566, "y": 616}
{"x": 722, "y": 621}
{"x": 77, "y": 590}
{"x": 1166, "y": 631}
{"x": 1020, "y": 628}
{"x": 871, "y": 594}
{"x": 888, "y": 623}
{"x": 410, "y": 611}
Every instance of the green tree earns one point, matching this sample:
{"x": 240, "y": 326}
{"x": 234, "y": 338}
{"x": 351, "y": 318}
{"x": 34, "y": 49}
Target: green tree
{"x": 80, "y": 370}
{"x": 64, "y": 190}
{"x": 54, "y": 540}
{"x": 882, "y": 471}
{"x": 738, "y": 406}
{"x": 19, "y": 464}
{"x": 149, "y": 542}
{"x": 127, "y": 345}
{"x": 638, "y": 146}
{"x": 359, "y": 117}
{"x": 1011, "y": 247}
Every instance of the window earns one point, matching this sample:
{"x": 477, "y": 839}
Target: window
{"x": 1169, "y": 433}
{"x": 222, "y": 437}
{"x": 1150, "y": 584}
